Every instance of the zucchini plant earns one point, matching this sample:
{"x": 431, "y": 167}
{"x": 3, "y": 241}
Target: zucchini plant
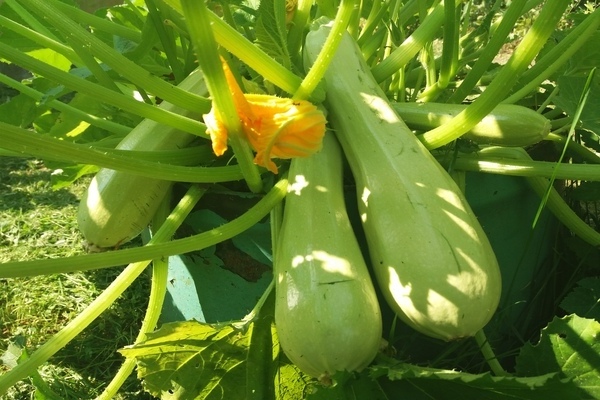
{"x": 392, "y": 101}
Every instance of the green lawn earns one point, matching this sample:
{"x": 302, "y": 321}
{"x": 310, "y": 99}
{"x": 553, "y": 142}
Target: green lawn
{"x": 38, "y": 222}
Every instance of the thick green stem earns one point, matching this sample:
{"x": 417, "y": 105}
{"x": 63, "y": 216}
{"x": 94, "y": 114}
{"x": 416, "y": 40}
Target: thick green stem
{"x": 23, "y": 141}
{"x": 180, "y": 246}
{"x": 449, "y": 62}
{"x": 158, "y": 290}
{"x": 197, "y": 17}
{"x": 488, "y": 354}
{"x": 376, "y": 14}
{"x": 30, "y": 19}
{"x": 404, "y": 53}
{"x": 558, "y": 56}
{"x": 532, "y": 43}
{"x": 107, "y": 125}
{"x": 317, "y": 70}
{"x": 103, "y": 94}
{"x": 509, "y": 160}
{"x": 297, "y": 29}
{"x": 248, "y": 53}
{"x": 257, "y": 59}
{"x": 167, "y": 38}
{"x": 493, "y": 162}
{"x": 98, "y": 23}
{"x": 491, "y": 49}
{"x": 260, "y": 373}
{"x": 42, "y": 40}
{"x": 119, "y": 63}
{"x": 93, "y": 65}
{"x": 586, "y": 154}
{"x": 103, "y": 301}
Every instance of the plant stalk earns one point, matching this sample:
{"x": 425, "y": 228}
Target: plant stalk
{"x": 88, "y": 262}
{"x": 103, "y": 301}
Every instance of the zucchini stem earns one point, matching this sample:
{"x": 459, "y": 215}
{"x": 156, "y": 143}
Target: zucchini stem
{"x": 317, "y": 70}
{"x": 531, "y": 45}
{"x": 505, "y": 161}
{"x": 102, "y": 123}
{"x": 556, "y": 57}
{"x": 490, "y": 50}
{"x": 103, "y": 94}
{"x": 404, "y": 53}
{"x": 197, "y": 17}
{"x": 104, "y": 300}
{"x": 22, "y": 141}
{"x": 87, "y": 262}
{"x": 489, "y": 355}
{"x": 158, "y": 290}
{"x": 119, "y": 63}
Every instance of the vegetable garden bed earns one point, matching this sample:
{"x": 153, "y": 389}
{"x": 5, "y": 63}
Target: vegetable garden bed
{"x": 332, "y": 199}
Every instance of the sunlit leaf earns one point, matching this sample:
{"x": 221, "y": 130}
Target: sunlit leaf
{"x": 411, "y": 382}
{"x": 570, "y": 347}
{"x": 52, "y": 58}
{"x": 191, "y": 360}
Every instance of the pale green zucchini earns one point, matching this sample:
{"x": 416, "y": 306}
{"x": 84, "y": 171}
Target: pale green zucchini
{"x": 326, "y": 312}
{"x": 507, "y": 125}
{"x": 433, "y": 262}
{"x": 117, "y": 206}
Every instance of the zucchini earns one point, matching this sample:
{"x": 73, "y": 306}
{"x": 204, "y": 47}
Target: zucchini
{"x": 117, "y": 206}
{"x": 327, "y": 314}
{"x": 507, "y": 125}
{"x": 432, "y": 260}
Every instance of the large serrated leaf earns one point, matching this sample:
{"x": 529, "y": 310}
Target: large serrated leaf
{"x": 411, "y": 382}
{"x": 347, "y": 386}
{"x": 570, "y": 89}
{"x": 270, "y": 31}
{"x": 191, "y": 360}
{"x": 584, "y": 300}
{"x": 569, "y": 346}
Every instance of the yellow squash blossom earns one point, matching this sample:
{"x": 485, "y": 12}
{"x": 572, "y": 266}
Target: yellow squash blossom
{"x": 275, "y": 127}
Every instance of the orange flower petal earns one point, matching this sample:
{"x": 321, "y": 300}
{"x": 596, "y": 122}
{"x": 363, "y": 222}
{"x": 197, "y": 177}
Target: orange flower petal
{"x": 276, "y": 127}
{"x": 217, "y": 132}
{"x": 284, "y": 128}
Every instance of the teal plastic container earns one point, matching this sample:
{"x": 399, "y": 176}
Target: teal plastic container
{"x": 221, "y": 283}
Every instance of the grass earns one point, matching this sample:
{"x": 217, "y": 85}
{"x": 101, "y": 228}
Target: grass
{"x": 38, "y": 222}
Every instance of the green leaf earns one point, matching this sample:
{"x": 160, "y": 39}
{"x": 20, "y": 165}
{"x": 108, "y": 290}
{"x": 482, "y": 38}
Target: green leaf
{"x": 347, "y": 386}
{"x": 20, "y": 111}
{"x": 590, "y": 139}
{"x": 291, "y": 382}
{"x": 191, "y": 360}
{"x": 584, "y": 300}
{"x": 412, "y": 382}
{"x": 270, "y": 31}
{"x": 586, "y": 58}
{"x": 585, "y": 191}
{"x": 570, "y": 89}
{"x": 52, "y": 58}
{"x": 63, "y": 175}
{"x": 570, "y": 347}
